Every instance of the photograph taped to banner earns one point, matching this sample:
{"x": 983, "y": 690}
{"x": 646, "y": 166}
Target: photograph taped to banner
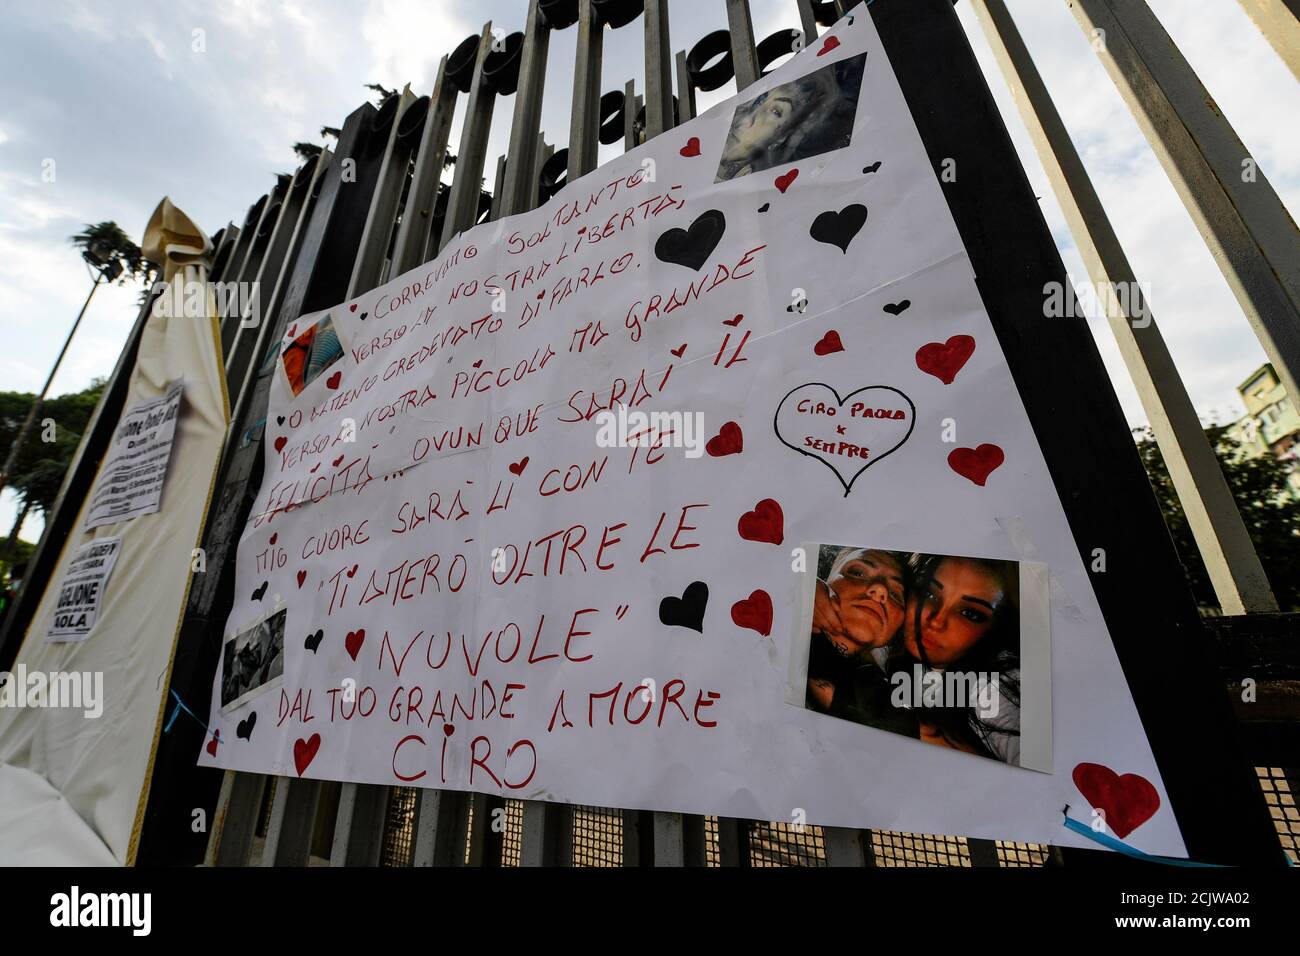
{"x": 796, "y": 120}
{"x": 929, "y": 646}
{"x": 252, "y": 661}
{"x": 311, "y": 354}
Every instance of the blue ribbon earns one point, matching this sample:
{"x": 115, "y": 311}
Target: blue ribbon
{"x": 1119, "y": 846}
{"x": 180, "y": 705}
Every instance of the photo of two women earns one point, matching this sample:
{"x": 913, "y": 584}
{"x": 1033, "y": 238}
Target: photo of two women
{"x": 896, "y": 640}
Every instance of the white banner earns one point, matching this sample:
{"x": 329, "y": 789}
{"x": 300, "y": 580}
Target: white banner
{"x": 704, "y": 487}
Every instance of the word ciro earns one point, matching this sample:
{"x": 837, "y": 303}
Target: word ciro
{"x": 857, "y": 410}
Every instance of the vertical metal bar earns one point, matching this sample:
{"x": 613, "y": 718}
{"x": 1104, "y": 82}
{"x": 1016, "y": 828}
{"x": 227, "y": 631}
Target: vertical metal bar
{"x": 983, "y": 853}
{"x": 520, "y": 184}
{"x": 658, "y": 70}
{"x": 462, "y": 205}
{"x": 383, "y": 206}
{"x": 807, "y": 21}
{"x": 543, "y": 154}
{"x": 844, "y": 847}
{"x": 584, "y": 120}
{"x": 292, "y": 823}
{"x": 272, "y": 268}
{"x": 242, "y": 384}
{"x": 234, "y": 825}
{"x": 1235, "y": 571}
{"x": 547, "y": 838}
{"x": 743, "y": 53}
{"x": 1279, "y": 21}
{"x": 629, "y": 115}
{"x": 733, "y": 840}
{"x": 670, "y": 849}
{"x": 498, "y": 188}
{"x": 417, "y": 218}
{"x": 685, "y": 88}
{"x": 222, "y": 254}
{"x": 438, "y": 841}
{"x": 1253, "y": 239}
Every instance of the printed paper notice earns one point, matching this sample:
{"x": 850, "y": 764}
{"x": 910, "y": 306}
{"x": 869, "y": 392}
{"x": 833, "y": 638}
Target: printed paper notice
{"x": 131, "y": 481}
{"x": 81, "y": 593}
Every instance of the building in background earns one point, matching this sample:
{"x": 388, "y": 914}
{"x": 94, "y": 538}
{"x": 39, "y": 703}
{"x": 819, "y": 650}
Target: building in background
{"x": 1271, "y": 425}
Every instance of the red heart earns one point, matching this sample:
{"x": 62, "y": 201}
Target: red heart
{"x": 692, "y": 147}
{"x": 944, "y": 360}
{"x": 765, "y": 523}
{"x": 275, "y": 537}
{"x": 292, "y": 329}
{"x": 1126, "y": 802}
{"x": 448, "y": 729}
{"x": 830, "y": 44}
{"x": 783, "y": 181}
{"x": 478, "y": 363}
{"x": 679, "y": 350}
{"x": 304, "y": 752}
{"x": 337, "y": 461}
{"x": 212, "y": 744}
{"x": 314, "y": 467}
{"x": 728, "y": 441}
{"x": 352, "y": 307}
{"x": 302, "y": 576}
{"x": 830, "y": 343}
{"x": 518, "y": 467}
{"x": 976, "y": 463}
{"x": 353, "y": 642}
{"x": 754, "y": 612}
{"x": 280, "y": 443}
{"x": 333, "y": 381}
{"x": 353, "y": 570}
{"x": 736, "y": 321}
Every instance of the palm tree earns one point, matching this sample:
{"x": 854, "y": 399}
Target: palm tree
{"x": 110, "y": 254}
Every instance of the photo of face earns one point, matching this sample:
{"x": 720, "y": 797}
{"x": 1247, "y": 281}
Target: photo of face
{"x": 924, "y": 645}
{"x": 805, "y": 117}
{"x": 955, "y": 610}
{"x": 310, "y": 354}
{"x": 866, "y": 589}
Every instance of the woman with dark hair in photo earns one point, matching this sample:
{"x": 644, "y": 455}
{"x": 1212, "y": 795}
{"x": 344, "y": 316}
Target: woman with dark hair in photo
{"x": 963, "y": 615}
{"x": 857, "y": 609}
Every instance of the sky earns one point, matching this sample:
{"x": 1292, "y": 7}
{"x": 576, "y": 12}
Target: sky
{"x": 112, "y": 107}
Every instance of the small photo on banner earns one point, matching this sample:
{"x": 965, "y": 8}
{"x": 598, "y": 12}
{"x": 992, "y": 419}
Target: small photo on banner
{"x": 928, "y": 646}
{"x": 311, "y": 353}
{"x": 252, "y": 661}
{"x": 805, "y": 117}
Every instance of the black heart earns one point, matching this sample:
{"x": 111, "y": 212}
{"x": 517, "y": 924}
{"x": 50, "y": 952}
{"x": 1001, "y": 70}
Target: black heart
{"x": 872, "y": 168}
{"x": 687, "y": 610}
{"x": 279, "y": 419}
{"x": 363, "y": 316}
{"x": 258, "y": 594}
{"x": 765, "y": 207}
{"x": 245, "y": 728}
{"x": 313, "y": 641}
{"x": 894, "y": 308}
{"x": 692, "y": 247}
{"x": 839, "y": 228}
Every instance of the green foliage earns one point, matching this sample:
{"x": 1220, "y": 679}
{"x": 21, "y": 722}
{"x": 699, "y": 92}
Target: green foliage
{"x": 42, "y": 464}
{"x": 1272, "y": 518}
{"x": 104, "y": 243}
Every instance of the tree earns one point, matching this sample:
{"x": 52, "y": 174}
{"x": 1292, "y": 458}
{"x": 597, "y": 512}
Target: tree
{"x": 110, "y": 251}
{"x": 1272, "y": 518}
{"x": 40, "y": 466}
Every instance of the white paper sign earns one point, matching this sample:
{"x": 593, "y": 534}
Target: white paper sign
{"x": 536, "y": 509}
{"x": 131, "y": 481}
{"x": 81, "y": 592}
